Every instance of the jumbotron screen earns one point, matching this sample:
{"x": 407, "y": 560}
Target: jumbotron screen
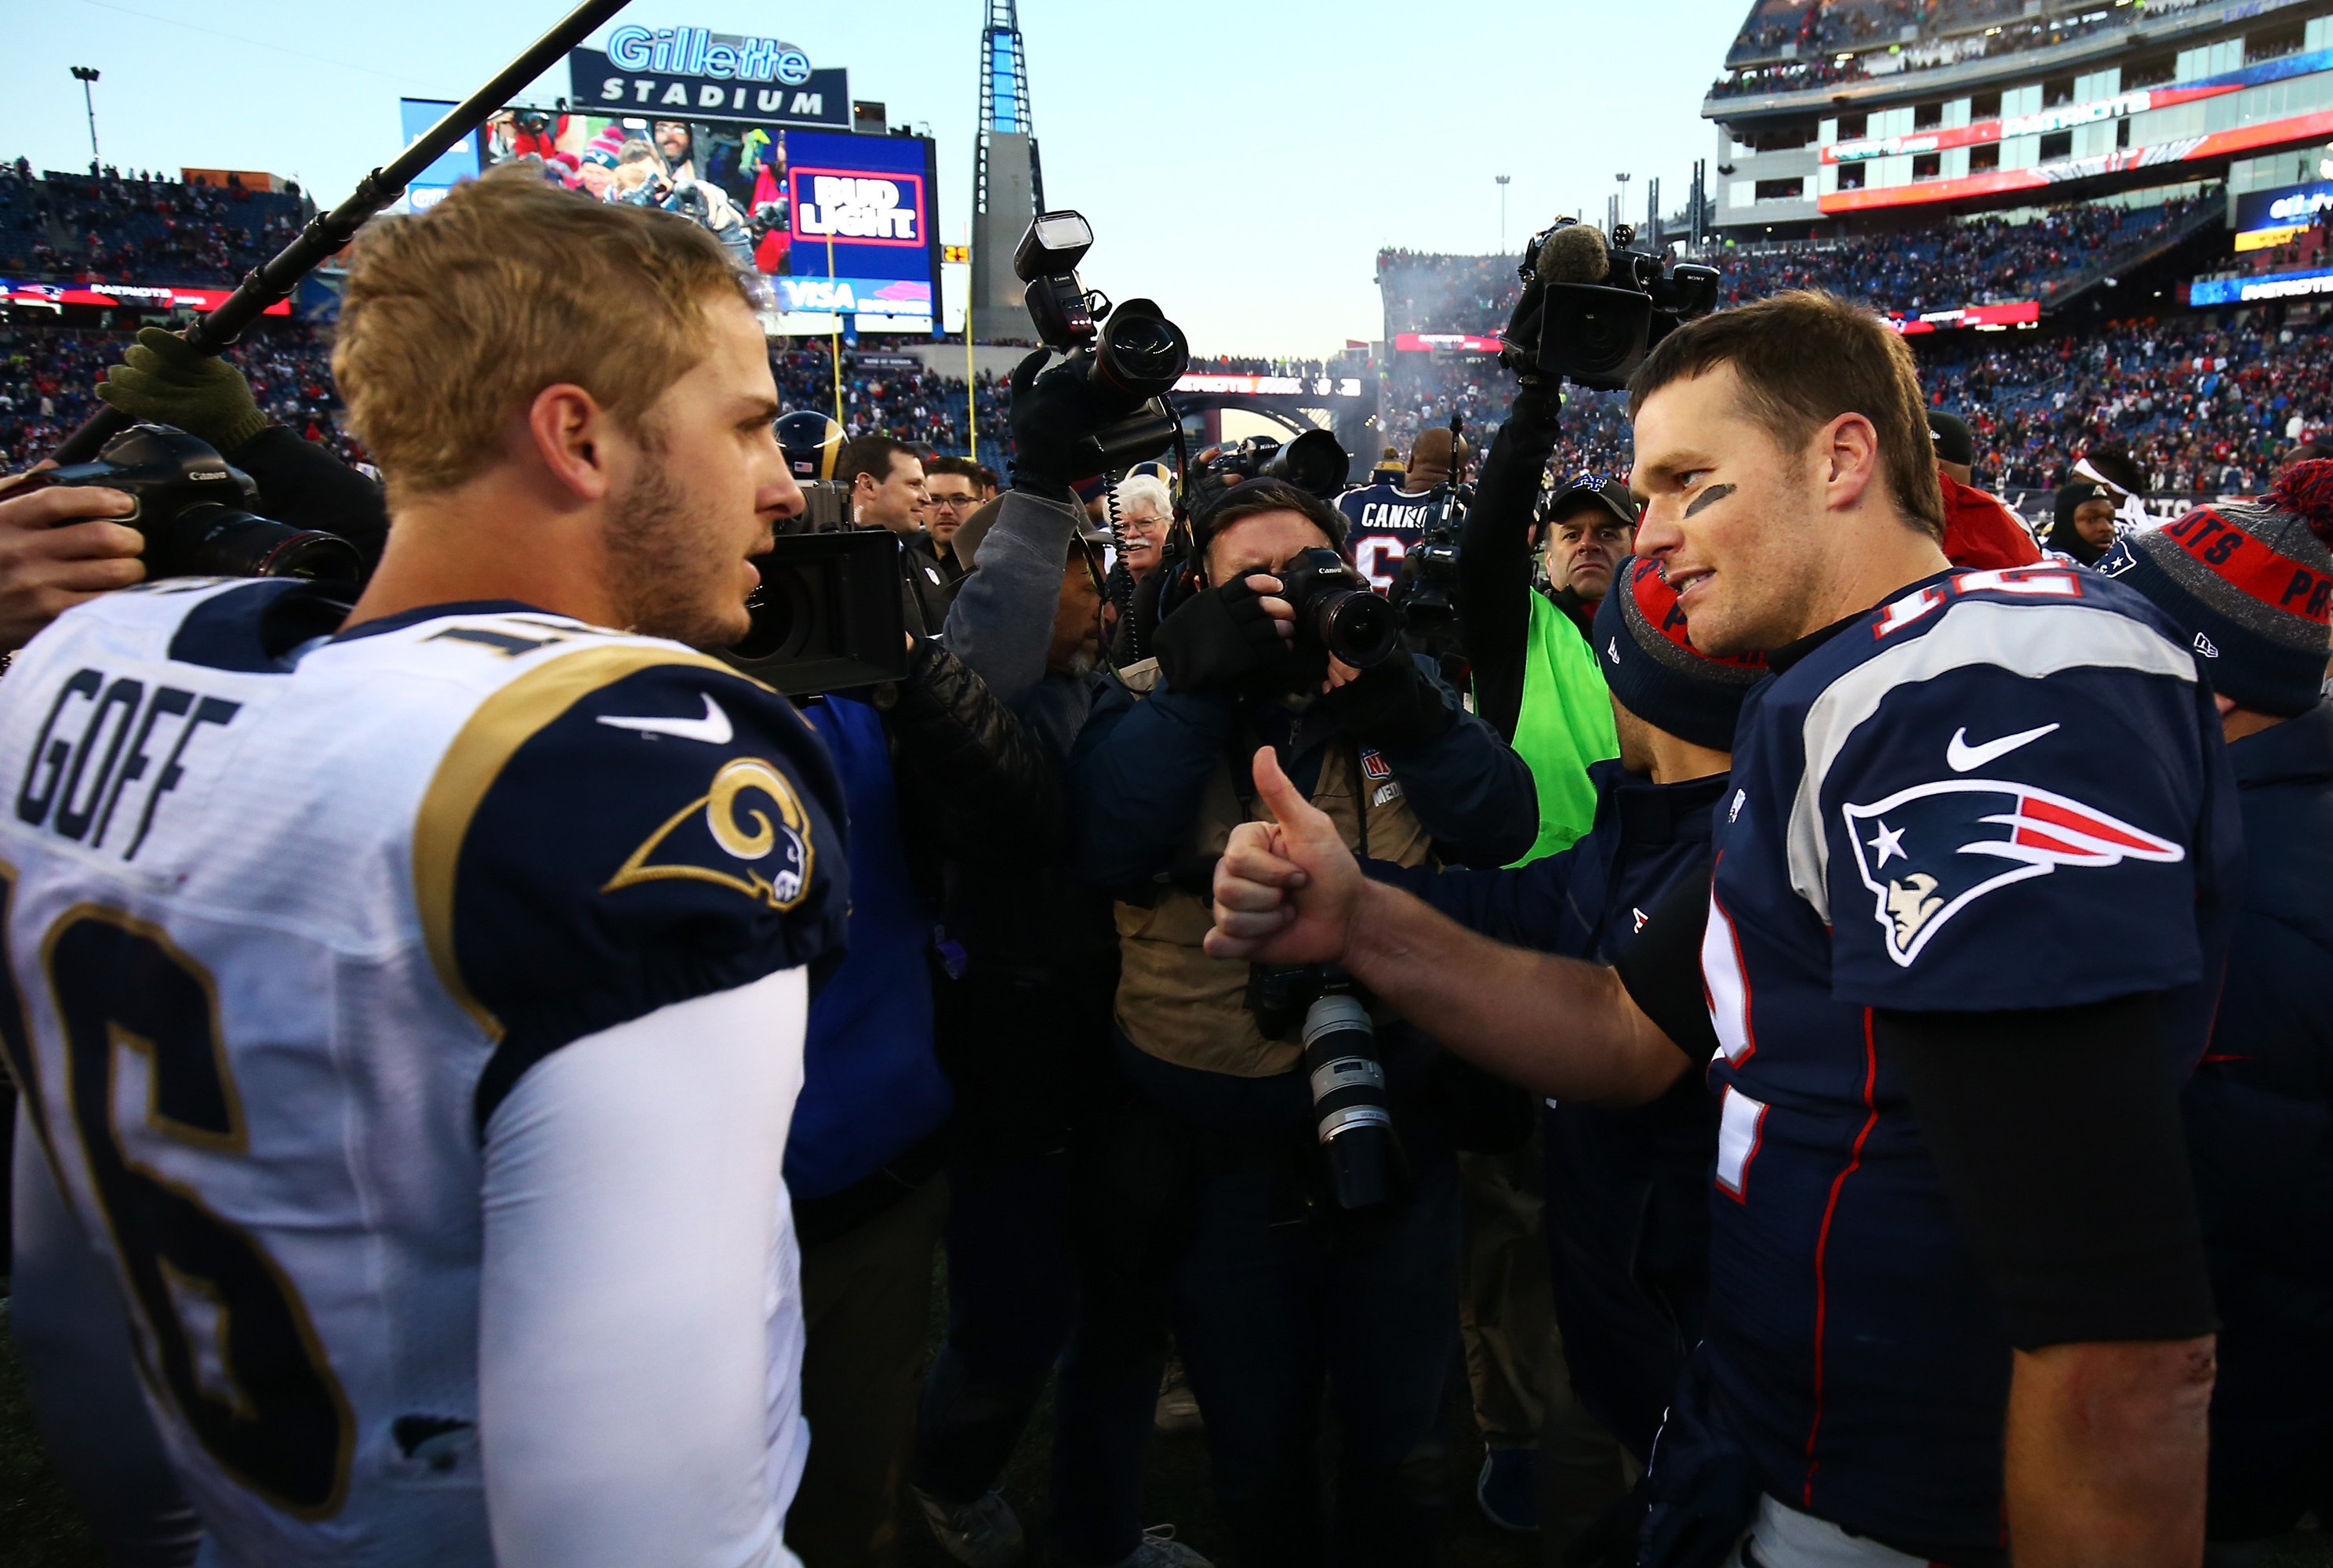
{"x": 843, "y": 225}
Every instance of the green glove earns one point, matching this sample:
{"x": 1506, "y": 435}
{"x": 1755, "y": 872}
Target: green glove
{"x": 165, "y": 382}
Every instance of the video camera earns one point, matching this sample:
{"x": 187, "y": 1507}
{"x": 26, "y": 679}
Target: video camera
{"x": 194, "y": 510}
{"x": 1131, "y": 353}
{"x": 829, "y": 614}
{"x": 1591, "y": 310}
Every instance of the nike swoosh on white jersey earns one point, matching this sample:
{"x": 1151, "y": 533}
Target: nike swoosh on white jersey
{"x": 713, "y": 729}
{"x": 1962, "y": 756}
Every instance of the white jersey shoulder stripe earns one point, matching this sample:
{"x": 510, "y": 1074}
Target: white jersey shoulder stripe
{"x": 2027, "y": 639}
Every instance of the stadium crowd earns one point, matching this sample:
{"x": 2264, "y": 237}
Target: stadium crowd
{"x": 138, "y": 227}
{"x": 1828, "y": 41}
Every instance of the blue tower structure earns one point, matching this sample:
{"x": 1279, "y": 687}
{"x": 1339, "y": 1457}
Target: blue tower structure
{"x": 1008, "y": 183}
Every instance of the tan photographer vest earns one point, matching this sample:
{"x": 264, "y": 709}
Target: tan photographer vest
{"x": 1183, "y": 1007}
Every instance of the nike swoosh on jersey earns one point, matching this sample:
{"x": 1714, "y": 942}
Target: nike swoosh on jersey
{"x": 1961, "y": 756}
{"x": 713, "y": 729}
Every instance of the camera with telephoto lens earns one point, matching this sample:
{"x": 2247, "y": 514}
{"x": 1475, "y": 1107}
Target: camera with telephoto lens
{"x": 194, "y": 510}
{"x": 829, "y": 614}
{"x": 1131, "y": 353}
{"x": 1366, "y": 1168}
{"x": 1313, "y": 461}
{"x": 1337, "y": 610}
{"x": 1591, "y": 309}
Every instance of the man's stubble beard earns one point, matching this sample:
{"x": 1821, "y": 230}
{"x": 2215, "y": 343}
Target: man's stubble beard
{"x": 670, "y": 581}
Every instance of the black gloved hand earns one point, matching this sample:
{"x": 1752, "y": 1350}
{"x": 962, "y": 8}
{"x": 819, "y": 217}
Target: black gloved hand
{"x": 1053, "y": 415}
{"x": 1218, "y": 640}
{"x": 1391, "y": 705}
{"x": 164, "y": 381}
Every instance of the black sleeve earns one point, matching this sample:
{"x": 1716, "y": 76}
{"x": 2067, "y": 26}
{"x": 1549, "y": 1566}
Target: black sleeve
{"x": 302, "y": 483}
{"x": 1495, "y": 557}
{"x": 1660, "y": 968}
{"x": 967, "y": 764}
{"x": 2057, "y": 1135}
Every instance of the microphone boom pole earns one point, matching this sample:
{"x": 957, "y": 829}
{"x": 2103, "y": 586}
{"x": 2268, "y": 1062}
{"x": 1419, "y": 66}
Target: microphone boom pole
{"x": 327, "y": 233}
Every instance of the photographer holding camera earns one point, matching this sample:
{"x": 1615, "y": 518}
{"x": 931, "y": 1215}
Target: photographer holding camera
{"x": 58, "y": 544}
{"x": 1278, "y": 1286}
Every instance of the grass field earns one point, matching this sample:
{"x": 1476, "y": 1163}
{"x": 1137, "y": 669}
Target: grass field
{"x": 39, "y": 1529}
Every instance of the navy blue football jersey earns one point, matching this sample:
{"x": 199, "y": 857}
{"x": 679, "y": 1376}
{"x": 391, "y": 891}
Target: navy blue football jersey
{"x": 2001, "y": 790}
{"x": 1382, "y": 521}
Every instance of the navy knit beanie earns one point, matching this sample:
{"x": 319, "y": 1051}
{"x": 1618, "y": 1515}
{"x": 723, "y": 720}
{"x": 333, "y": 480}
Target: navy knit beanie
{"x": 1655, "y": 672}
{"x": 2251, "y": 582}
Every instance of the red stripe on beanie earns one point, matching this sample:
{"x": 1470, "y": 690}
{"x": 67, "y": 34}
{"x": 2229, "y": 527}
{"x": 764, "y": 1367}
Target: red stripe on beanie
{"x": 2260, "y": 570}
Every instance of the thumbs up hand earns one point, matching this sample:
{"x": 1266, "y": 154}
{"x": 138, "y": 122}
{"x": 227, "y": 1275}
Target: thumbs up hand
{"x": 1285, "y": 891}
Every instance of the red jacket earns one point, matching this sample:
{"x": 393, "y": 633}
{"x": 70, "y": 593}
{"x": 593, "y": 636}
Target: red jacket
{"x": 1981, "y": 532}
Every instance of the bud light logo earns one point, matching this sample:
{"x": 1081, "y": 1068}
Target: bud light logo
{"x": 865, "y": 209}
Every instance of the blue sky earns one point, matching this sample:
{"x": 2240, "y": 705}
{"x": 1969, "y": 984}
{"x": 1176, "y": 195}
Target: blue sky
{"x": 1241, "y": 163}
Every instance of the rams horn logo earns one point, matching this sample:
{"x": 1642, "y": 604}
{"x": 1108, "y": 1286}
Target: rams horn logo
{"x": 724, "y": 824}
{"x": 1929, "y": 852}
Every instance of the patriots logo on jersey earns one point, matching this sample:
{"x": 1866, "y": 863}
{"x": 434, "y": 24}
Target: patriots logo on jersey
{"x": 1929, "y": 852}
{"x": 727, "y": 837}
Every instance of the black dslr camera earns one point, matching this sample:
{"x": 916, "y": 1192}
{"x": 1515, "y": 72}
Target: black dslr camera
{"x": 1337, "y": 609}
{"x": 1132, "y": 354}
{"x": 194, "y": 510}
{"x": 1367, "y": 1167}
{"x": 1313, "y": 462}
{"x": 1590, "y": 311}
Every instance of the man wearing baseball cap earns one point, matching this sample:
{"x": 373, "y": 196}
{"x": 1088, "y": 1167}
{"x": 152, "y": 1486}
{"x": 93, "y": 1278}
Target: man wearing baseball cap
{"x": 2249, "y": 582}
{"x": 1533, "y": 681}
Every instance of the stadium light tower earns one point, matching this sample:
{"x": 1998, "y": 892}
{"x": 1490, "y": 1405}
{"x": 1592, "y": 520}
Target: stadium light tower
{"x": 1503, "y": 180}
{"x": 86, "y": 74}
{"x": 1008, "y": 182}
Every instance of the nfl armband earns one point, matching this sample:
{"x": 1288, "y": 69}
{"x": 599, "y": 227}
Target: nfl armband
{"x": 621, "y": 830}
{"x": 1661, "y": 969}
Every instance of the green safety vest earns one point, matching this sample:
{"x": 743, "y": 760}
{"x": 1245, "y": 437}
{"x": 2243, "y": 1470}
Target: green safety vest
{"x": 1566, "y": 724}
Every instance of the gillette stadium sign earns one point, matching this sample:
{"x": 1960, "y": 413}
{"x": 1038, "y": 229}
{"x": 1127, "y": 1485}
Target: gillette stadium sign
{"x": 694, "y": 73}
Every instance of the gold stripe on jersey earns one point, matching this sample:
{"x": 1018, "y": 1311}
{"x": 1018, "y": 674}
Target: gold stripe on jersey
{"x": 502, "y": 723}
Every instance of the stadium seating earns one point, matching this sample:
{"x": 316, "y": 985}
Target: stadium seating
{"x": 127, "y": 230}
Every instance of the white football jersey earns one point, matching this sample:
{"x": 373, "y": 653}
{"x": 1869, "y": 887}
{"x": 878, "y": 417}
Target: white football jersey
{"x": 286, "y": 915}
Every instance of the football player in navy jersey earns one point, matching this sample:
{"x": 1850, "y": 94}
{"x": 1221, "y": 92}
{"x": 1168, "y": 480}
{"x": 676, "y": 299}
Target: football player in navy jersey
{"x": 1959, "y": 1303}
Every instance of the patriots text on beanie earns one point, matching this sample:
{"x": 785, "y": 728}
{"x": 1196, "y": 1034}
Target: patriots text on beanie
{"x": 2251, "y": 582}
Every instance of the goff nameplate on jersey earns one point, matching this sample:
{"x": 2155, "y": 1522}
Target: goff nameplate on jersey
{"x": 287, "y": 913}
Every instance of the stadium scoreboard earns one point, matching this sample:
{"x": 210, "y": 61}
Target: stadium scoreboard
{"x": 755, "y": 142}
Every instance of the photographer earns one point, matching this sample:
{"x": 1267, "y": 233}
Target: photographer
{"x": 1022, "y": 1025}
{"x": 1274, "y": 1293}
{"x": 57, "y": 551}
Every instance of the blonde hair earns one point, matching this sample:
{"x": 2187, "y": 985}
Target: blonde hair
{"x": 456, "y": 317}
